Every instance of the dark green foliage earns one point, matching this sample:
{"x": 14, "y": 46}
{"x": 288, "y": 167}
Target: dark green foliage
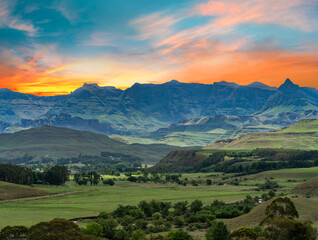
{"x": 57, "y": 229}
{"x": 178, "y": 235}
{"x": 121, "y": 234}
{"x": 13, "y": 233}
{"x": 94, "y": 229}
{"x": 280, "y": 224}
{"x": 282, "y": 207}
{"x": 141, "y": 224}
{"x": 138, "y": 235}
{"x": 268, "y": 185}
{"x": 109, "y": 227}
{"x": 196, "y": 206}
{"x": 109, "y": 182}
{"x": 218, "y": 231}
{"x": 16, "y": 174}
{"x": 56, "y": 175}
{"x": 243, "y": 232}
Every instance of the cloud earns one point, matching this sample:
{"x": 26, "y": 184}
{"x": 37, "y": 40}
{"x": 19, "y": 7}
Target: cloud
{"x": 99, "y": 39}
{"x": 289, "y": 13}
{"x": 9, "y": 20}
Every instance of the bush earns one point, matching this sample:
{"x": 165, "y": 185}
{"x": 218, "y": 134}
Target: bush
{"x": 179, "y": 235}
{"x": 94, "y": 229}
{"x": 138, "y": 235}
{"x": 218, "y": 231}
{"x": 109, "y": 182}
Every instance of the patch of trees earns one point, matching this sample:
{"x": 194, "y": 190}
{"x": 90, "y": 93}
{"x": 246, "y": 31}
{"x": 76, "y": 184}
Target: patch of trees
{"x": 154, "y": 217}
{"x": 57, "y": 229}
{"x": 157, "y": 178}
{"x": 16, "y": 174}
{"x": 56, "y": 175}
{"x": 91, "y": 177}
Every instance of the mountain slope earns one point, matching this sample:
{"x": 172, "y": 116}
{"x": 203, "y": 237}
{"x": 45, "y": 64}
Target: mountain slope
{"x": 302, "y": 135}
{"x": 56, "y": 142}
{"x": 147, "y": 107}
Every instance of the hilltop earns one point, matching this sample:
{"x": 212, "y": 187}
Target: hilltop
{"x": 302, "y": 135}
{"x": 57, "y": 142}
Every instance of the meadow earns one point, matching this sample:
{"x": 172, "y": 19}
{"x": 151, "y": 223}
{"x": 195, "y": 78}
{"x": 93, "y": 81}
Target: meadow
{"x": 74, "y": 201}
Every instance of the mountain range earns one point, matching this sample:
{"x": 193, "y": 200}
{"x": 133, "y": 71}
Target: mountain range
{"x": 147, "y": 110}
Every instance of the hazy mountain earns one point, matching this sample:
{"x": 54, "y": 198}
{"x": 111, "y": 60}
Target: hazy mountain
{"x": 147, "y": 107}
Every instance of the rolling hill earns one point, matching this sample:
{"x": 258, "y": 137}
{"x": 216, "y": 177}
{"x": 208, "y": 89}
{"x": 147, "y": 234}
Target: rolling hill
{"x": 57, "y": 142}
{"x": 308, "y": 188}
{"x": 302, "y": 135}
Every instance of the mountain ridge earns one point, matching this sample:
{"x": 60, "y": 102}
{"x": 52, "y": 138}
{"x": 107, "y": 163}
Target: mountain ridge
{"x": 147, "y": 107}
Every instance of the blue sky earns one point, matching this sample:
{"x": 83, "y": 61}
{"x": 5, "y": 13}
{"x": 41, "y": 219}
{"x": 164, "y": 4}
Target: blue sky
{"x": 52, "y": 47}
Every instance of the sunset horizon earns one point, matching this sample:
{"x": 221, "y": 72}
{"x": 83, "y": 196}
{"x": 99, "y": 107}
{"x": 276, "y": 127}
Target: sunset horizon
{"x": 52, "y": 48}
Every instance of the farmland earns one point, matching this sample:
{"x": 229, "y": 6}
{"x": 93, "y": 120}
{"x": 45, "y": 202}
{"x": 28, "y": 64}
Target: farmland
{"x": 79, "y": 201}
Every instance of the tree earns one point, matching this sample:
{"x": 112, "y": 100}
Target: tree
{"x": 138, "y": 235}
{"x": 209, "y": 182}
{"x": 56, "y": 175}
{"x": 109, "y": 226}
{"x": 218, "y": 231}
{"x": 141, "y": 224}
{"x": 281, "y": 228}
{"x": 94, "y": 229}
{"x": 56, "y": 229}
{"x": 196, "y": 206}
{"x": 121, "y": 234}
{"x": 179, "y": 235}
{"x": 282, "y": 207}
{"x": 93, "y": 177}
{"x": 280, "y": 224}
{"x": 243, "y": 232}
{"x": 16, "y": 232}
{"x": 109, "y": 182}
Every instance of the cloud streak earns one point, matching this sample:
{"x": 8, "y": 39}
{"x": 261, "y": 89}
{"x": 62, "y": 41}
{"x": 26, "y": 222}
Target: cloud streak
{"x": 9, "y": 20}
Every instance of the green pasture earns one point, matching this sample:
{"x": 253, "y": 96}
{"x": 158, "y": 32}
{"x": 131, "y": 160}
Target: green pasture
{"x": 90, "y": 200}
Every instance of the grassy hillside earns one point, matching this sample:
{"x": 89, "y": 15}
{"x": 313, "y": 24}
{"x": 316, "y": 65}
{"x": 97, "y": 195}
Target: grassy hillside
{"x": 56, "y": 142}
{"x": 302, "y": 135}
{"x": 308, "y": 188}
{"x": 306, "y": 207}
{"x": 14, "y": 191}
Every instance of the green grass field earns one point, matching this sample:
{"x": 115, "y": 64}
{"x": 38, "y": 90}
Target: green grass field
{"x": 93, "y": 200}
{"x": 80, "y": 201}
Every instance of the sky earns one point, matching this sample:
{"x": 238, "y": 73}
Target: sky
{"x": 52, "y": 47}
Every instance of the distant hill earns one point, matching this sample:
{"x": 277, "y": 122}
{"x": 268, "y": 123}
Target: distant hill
{"x": 302, "y": 135}
{"x": 202, "y": 131}
{"x": 57, "y": 142}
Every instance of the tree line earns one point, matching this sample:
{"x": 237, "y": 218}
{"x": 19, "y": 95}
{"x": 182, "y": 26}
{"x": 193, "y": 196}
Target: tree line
{"x": 56, "y": 175}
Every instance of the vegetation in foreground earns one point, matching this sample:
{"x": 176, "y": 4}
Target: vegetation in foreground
{"x": 177, "y": 221}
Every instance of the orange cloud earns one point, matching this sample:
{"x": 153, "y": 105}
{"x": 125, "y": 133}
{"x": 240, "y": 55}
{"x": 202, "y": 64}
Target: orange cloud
{"x": 285, "y": 13}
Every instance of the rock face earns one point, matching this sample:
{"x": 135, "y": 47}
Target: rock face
{"x": 66, "y": 120}
{"x": 146, "y": 107}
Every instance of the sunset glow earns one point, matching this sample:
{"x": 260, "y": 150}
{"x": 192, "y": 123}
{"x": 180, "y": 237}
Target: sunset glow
{"x": 53, "y": 47}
